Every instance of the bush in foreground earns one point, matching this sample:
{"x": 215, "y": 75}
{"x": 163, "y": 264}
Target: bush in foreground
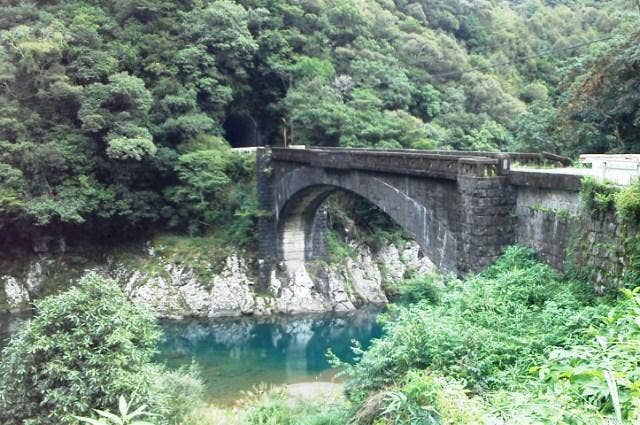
{"x": 82, "y": 349}
{"x": 487, "y": 330}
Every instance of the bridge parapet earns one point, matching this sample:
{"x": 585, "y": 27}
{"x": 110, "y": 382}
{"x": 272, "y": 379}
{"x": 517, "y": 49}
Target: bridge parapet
{"x": 545, "y": 159}
{"x": 416, "y": 163}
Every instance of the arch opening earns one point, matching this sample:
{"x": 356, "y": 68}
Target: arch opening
{"x": 422, "y": 210}
{"x": 325, "y": 222}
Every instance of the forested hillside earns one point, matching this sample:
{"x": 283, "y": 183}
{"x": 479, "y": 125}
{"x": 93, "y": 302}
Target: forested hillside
{"x": 118, "y": 114}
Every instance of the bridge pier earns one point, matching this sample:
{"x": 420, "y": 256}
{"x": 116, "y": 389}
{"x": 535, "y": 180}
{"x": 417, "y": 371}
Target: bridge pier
{"x": 487, "y": 219}
{"x": 267, "y": 218}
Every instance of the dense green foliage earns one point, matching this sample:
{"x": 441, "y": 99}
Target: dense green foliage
{"x": 628, "y": 203}
{"x": 598, "y": 197}
{"x": 83, "y": 350}
{"x": 515, "y": 344}
{"x": 611, "y": 348}
{"x": 605, "y": 197}
{"x": 114, "y": 113}
{"x": 602, "y": 110}
{"x": 488, "y": 330}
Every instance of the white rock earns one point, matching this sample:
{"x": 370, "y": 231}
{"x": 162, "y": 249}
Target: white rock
{"x": 366, "y": 279}
{"x": 232, "y": 293}
{"x": 393, "y": 265}
{"x": 17, "y": 294}
{"x": 298, "y": 294}
{"x": 414, "y": 260}
{"x": 176, "y": 290}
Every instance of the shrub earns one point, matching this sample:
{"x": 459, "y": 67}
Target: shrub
{"x": 604, "y": 370}
{"x": 183, "y": 391}
{"x": 419, "y": 288}
{"x": 488, "y": 330}
{"x": 426, "y": 399}
{"x": 627, "y": 203}
{"x": 598, "y": 197}
{"x": 339, "y": 250}
{"x": 82, "y": 349}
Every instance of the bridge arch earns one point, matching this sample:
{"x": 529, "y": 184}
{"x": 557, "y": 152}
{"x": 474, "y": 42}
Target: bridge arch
{"x": 459, "y": 207}
{"x": 300, "y": 193}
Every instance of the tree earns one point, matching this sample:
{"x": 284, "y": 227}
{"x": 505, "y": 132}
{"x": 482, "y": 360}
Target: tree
{"x": 602, "y": 109}
{"x": 99, "y": 100}
{"x": 82, "y": 349}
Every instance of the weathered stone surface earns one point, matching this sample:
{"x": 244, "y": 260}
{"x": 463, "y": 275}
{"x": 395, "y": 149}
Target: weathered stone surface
{"x": 463, "y": 208}
{"x": 176, "y": 290}
{"x": 450, "y": 203}
{"x": 340, "y": 288}
{"x": 16, "y": 293}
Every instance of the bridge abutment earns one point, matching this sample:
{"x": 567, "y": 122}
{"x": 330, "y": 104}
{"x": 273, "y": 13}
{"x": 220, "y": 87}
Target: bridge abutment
{"x": 267, "y": 218}
{"x": 487, "y": 207}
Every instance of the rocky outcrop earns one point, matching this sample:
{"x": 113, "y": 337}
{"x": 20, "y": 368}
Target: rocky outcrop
{"x": 178, "y": 290}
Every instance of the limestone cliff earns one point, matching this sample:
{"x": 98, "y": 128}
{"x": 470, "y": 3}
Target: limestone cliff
{"x": 175, "y": 288}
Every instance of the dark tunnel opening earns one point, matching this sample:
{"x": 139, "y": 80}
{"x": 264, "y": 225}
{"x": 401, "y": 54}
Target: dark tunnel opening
{"x": 241, "y": 130}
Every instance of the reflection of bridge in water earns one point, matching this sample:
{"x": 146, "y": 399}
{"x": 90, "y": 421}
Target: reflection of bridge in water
{"x": 236, "y": 354}
{"x": 462, "y": 208}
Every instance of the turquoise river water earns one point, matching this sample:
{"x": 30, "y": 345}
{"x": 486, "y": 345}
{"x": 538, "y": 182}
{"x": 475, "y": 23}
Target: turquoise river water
{"x": 236, "y": 354}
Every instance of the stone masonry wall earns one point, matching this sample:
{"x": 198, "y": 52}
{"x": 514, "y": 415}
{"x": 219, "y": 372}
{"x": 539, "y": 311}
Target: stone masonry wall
{"x": 488, "y": 223}
{"x": 595, "y": 247}
{"x": 267, "y": 233}
{"x": 545, "y": 218}
{"x": 462, "y": 211}
{"x": 603, "y": 250}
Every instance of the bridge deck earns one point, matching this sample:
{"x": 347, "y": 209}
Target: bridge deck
{"x": 526, "y": 169}
{"x": 439, "y": 164}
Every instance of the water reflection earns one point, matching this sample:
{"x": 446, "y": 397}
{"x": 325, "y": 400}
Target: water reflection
{"x": 237, "y": 354}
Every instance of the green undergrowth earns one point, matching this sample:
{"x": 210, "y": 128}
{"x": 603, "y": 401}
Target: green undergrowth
{"x": 272, "y": 406}
{"x": 488, "y": 330}
{"x": 517, "y": 343}
{"x": 338, "y": 248}
{"x": 603, "y": 197}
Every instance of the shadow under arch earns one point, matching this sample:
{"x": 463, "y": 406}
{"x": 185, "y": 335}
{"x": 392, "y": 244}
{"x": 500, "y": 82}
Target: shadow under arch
{"x": 300, "y": 194}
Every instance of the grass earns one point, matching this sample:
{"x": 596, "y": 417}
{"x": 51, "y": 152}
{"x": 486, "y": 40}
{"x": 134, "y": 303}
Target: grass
{"x": 516, "y": 344}
{"x": 272, "y": 406}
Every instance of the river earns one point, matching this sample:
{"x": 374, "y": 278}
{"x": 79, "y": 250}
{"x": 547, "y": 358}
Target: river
{"x": 236, "y": 354}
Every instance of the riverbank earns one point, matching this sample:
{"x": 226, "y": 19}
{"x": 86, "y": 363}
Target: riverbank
{"x": 236, "y": 355}
{"x": 181, "y": 277}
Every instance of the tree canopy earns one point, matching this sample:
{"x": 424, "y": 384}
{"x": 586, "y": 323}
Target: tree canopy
{"x": 118, "y": 114}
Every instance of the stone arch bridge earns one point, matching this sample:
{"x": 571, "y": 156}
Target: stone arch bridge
{"x": 461, "y": 207}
